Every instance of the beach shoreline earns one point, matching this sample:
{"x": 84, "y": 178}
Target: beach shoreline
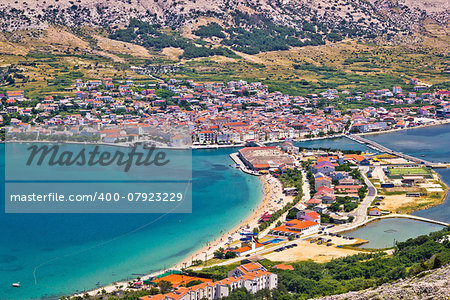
{"x": 271, "y": 189}
{"x": 268, "y": 192}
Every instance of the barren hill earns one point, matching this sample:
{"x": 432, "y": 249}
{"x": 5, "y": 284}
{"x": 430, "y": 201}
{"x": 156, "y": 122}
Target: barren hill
{"x": 378, "y": 16}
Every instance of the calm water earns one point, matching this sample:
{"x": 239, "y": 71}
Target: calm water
{"x": 384, "y": 233}
{"x": 434, "y": 144}
{"x": 70, "y": 252}
{"x": 431, "y": 142}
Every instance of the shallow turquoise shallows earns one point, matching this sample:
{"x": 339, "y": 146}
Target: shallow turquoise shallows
{"x": 57, "y": 254}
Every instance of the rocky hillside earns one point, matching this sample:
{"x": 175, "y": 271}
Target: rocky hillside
{"x": 367, "y": 16}
{"x": 428, "y": 285}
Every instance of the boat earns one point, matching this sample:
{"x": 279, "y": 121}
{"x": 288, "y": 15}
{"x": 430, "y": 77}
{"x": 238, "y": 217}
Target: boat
{"x": 16, "y": 284}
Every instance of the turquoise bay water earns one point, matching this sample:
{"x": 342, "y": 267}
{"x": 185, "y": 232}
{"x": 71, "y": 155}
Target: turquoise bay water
{"x": 71, "y": 252}
{"x": 75, "y": 252}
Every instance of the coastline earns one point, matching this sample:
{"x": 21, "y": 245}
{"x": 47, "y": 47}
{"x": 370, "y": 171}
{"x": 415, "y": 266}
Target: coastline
{"x": 199, "y": 254}
{"x": 218, "y": 146}
{"x": 432, "y": 124}
{"x": 270, "y": 191}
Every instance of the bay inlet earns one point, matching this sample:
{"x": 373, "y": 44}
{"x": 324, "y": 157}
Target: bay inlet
{"x": 60, "y": 254}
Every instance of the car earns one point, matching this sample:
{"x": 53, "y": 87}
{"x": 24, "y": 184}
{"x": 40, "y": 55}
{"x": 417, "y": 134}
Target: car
{"x": 329, "y": 244}
{"x": 329, "y": 240}
{"x": 248, "y": 255}
{"x": 320, "y": 243}
{"x": 294, "y": 245}
{"x": 338, "y": 235}
{"x": 312, "y": 241}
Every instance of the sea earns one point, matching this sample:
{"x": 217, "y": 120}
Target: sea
{"x": 60, "y": 254}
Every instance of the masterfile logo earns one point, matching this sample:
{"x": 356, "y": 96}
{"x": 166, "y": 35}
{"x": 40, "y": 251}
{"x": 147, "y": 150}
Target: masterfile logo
{"x": 52, "y": 155}
{"x": 146, "y": 173}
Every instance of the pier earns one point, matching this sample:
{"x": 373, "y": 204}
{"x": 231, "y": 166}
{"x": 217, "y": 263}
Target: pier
{"x": 380, "y": 148}
{"x": 241, "y": 165}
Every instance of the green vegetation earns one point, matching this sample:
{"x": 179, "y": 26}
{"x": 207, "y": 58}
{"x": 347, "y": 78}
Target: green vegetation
{"x": 210, "y": 30}
{"x": 399, "y": 172}
{"x": 408, "y": 171}
{"x": 348, "y": 204}
{"x": 357, "y": 272}
{"x": 292, "y": 178}
{"x": 154, "y": 37}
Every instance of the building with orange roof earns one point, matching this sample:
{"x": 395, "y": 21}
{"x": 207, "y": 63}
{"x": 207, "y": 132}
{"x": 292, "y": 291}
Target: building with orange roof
{"x": 252, "y": 276}
{"x": 247, "y": 249}
{"x": 179, "y": 279}
{"x": 296, "y": 228}
{"x": 283, "y": 267}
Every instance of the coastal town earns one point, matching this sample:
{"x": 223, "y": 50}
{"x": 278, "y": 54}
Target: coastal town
{"x": 313, "y": 197}
{"x": 217, "y": 113}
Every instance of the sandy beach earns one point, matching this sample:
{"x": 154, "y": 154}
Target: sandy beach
{"x": 272, "y": 190}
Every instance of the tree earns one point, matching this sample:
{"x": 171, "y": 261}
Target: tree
{"x": 230, "y": 254}
{"x": 165, "y": 286}
{"x": 219, "y": 253}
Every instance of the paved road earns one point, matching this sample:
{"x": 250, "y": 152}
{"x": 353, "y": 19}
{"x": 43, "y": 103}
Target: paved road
{"x": 361, "y": 212}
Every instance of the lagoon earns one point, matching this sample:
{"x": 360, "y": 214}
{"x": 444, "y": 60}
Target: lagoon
{"x": 384, "y": 233}
{"x": 434, "y": 144}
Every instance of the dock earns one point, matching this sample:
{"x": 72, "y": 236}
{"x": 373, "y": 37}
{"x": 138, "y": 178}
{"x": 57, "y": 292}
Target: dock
{"x": 380, "y": 148}
{"x": 242, "y": 166}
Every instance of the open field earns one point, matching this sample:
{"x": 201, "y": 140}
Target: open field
{"x": 409, "y": 171}
{"x": 433, "y": 192}
{"x": 318, "y": 253}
